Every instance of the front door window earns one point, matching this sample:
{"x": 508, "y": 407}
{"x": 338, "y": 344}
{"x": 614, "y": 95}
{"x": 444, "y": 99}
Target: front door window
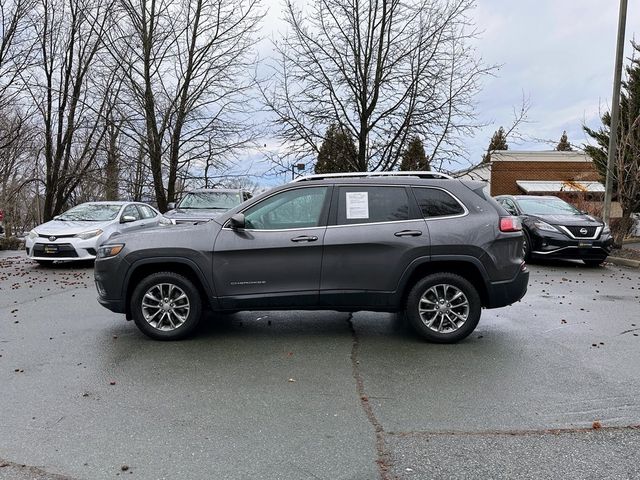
{"x": 299, "y": 208}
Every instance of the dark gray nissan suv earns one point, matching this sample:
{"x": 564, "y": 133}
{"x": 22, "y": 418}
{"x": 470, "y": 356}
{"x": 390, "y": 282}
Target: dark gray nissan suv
{"x": 437, "y": 248}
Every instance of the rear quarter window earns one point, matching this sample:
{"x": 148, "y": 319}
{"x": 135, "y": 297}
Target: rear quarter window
{"x": 435, "y": 203}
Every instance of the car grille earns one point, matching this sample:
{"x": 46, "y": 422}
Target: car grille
{"x": 63, "y": 250}
{"x": 56, "y": 236}
{"x": 587, "y": 232}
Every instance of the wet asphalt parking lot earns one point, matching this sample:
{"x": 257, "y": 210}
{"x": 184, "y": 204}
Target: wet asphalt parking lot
{"x": 546, "y": 388}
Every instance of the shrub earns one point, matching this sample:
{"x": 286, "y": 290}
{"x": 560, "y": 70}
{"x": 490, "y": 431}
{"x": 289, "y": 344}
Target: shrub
{"x": 11, "y": 243}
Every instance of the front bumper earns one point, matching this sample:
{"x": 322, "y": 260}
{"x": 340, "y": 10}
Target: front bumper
{"x": 109, "y": 276}
{"x": 557, "y": 245}
{"x": 117, "y": 306}
{"x": 65, "y": 248}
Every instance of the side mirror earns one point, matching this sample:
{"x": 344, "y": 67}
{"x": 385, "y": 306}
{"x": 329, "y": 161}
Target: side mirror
{"x": 127, "y": 219}
{"x": 171, "y": 205}
{"x": 237, "y": 221}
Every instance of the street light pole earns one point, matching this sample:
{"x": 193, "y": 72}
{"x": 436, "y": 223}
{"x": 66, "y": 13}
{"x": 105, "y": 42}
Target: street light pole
{"x": 615, "y": 109}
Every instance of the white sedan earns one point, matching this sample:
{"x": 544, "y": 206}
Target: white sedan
{"x": 77, "y": 233}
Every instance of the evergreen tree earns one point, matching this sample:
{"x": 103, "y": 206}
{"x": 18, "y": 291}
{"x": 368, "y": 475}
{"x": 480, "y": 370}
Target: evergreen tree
{"x": 563, "y": 144}
{"x": 498, "y": 142}
{"x": 337, "y": 153}
{"x": 414, "y": 158}
{"x": 626, "y": 167}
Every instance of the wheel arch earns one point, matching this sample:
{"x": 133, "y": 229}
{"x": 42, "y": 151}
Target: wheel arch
{"x": 467, "y": 267}
{"x": 181, "y": 266}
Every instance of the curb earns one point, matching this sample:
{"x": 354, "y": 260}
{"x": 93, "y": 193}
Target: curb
{"x": 631, "y": 240}
{"x": 625, "y": 262}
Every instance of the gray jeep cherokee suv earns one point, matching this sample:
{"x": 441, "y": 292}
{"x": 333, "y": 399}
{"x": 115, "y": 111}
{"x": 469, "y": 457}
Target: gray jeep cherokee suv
{"x": 438, "y": 248}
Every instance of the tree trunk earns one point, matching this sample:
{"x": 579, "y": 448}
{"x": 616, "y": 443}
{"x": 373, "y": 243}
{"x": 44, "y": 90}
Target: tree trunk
{"x": 622, "y": 228}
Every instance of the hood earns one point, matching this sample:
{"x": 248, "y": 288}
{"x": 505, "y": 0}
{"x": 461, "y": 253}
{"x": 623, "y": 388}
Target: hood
{"x": 193, "y": 213}
{"x": 164, "y": 236}
{"x": 582, "y": 220}
{"x": 69, "y": 227}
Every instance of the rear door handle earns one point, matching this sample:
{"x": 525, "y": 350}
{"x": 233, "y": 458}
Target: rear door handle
{"x": 408, "y": 233}
{"x": 304, "y": 238}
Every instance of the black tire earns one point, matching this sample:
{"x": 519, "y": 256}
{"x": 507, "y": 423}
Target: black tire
{"x": 526, "y": 246}
{"x": 459, "y": 284}
{"x": 44, "y": 263}
{"x": 166, "y": 329}
{"x": 593, "y": 263}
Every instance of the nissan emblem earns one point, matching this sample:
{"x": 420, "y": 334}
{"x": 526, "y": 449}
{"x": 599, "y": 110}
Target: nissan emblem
{"x": 583, "y": 231}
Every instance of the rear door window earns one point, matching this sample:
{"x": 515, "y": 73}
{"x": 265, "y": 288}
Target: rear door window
{"x": 146, "y": 212}
{"x": 372, "y": 204}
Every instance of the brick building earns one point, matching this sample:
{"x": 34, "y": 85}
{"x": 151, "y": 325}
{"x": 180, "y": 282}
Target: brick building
{"x": 516, "y": 173}
{"x": 569, "y": 175}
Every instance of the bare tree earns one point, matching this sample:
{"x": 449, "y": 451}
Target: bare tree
{"x": 186, "y": 65}
{"x": 70, "y": 39}
{"x": 16, "y": 42}
{"x": 16, "y": 168}
{"x": 501, "y": 136}
{"x": 16, "y": 130}
{"x": 383, "y": 70}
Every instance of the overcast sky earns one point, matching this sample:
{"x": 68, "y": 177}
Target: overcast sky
{"x": 558, "y": 53}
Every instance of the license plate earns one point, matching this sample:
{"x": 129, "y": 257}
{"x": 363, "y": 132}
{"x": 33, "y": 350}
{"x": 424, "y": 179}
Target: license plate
{"x": 50, "y": 249}
{"x": 585, "y": 244}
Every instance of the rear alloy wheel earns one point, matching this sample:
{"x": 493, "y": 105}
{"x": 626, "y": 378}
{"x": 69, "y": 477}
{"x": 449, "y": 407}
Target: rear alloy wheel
{"x": 166, "y": 306}
{"x": 444, "y": 307}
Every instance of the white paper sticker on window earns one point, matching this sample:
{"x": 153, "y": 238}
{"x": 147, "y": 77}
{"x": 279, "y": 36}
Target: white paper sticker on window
{"x": 357, "y": 205}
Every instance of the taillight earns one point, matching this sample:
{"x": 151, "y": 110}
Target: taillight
{"x": 510, "y": 224}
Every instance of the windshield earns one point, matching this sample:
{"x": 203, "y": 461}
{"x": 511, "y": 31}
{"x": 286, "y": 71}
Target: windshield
{"x": 211, "y": 200}
{"x": 547, "y": 206}
{"x": 91, "y": 212}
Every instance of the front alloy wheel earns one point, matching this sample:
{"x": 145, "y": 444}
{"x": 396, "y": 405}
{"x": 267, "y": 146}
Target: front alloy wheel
{"x": 166, "y": 306}
{"x": 443, "y": 307}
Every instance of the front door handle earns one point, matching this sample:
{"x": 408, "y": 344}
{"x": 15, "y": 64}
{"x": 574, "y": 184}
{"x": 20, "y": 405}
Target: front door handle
{"x": 408, "y": 233}
{"x": 304, "y": 238}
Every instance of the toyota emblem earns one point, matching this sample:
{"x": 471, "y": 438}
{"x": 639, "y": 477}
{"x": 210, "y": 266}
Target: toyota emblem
{"x": 52, "y": 239}
{"x": 583, "y": 231}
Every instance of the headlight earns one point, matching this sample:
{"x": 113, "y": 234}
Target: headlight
{"x": 107, "y": 251}
{"x": 87, "y": 235}
{"x": 544, "y": 226}
{"x": 33, "y": 234}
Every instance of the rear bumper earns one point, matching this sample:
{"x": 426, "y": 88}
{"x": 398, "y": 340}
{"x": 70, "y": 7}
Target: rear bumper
{"x": 505, "y": 293}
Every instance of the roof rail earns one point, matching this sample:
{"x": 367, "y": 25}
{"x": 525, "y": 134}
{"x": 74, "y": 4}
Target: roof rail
{"x": 416, "y": 174}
